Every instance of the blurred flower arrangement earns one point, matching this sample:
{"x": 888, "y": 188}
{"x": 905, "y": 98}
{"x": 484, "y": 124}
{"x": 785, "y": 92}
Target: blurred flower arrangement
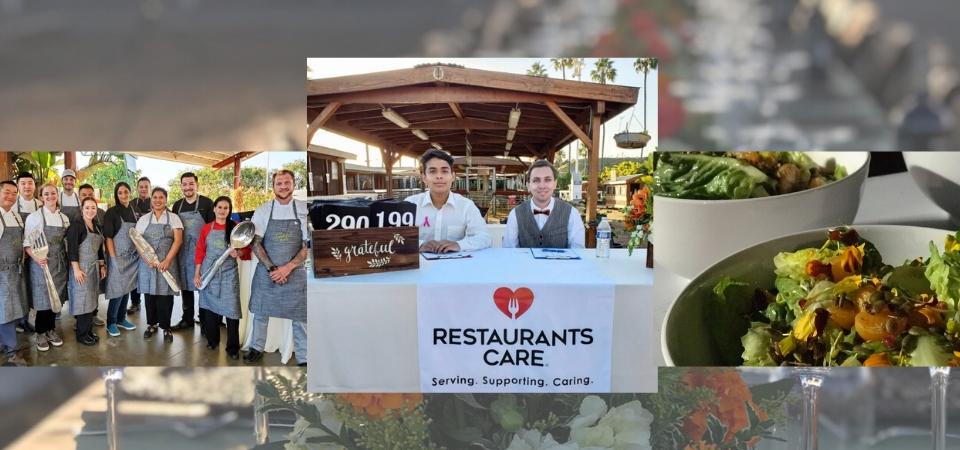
{"x": 696, "y": 408}
{"x": 638, "y": 214}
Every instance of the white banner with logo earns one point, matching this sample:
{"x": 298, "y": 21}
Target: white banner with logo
{"x": 521, "y": 338}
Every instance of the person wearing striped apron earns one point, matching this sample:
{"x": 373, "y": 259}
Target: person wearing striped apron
{"x": 85, "y": 253}
{"x": 13, "y": 297}
{"x": 280, "y": 280}
{"x": 221, "y": 296}
{"x": 69, "y": 199}
{"x": 194, "y": 210}
{"x": 53, "y": 224}
{"x": 122, "y": 267}
{"x": 163, "y": 230}
{"x": 26, "y": 205}
{"x": 141, "y": 205}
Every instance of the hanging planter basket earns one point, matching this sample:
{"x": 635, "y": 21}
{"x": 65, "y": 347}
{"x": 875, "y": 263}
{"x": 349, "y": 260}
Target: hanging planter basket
{"x": 627, "y": 139}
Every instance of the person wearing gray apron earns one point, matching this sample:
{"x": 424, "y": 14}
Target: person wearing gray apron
{"x": 164, "y": 232}
{"x": 72, "y": 212}
{"x": 26, "y": 205}
{"x": 122, "y": 267}
{"x": 13, "y": 298}
{"x": 282, "y": 241}
{"x": 194, "y": 211}
{"x": 221, "y": 296}
{"x": 85, "y": 253}
{"x": 54, "y": 230}
{"x": 141, "y": 205}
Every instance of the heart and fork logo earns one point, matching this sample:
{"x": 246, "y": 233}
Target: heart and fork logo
{"x": 513, "y": 303}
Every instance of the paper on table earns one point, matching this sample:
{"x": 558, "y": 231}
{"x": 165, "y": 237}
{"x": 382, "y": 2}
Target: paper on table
{"x": 455, "y": 255}
{"x": 554, "y": 253}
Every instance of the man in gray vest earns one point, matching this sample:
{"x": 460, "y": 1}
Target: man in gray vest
{"x": 543, "y": 221}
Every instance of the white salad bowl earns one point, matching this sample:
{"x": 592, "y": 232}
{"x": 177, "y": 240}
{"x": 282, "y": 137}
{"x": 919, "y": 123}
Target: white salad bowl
{"x": 690, "y": 235}
{"x": 692, "y": 336}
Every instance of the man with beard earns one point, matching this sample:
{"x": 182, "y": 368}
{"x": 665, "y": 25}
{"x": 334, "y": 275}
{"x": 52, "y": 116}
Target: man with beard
{"x": 280, "y": 281}
{"x": 69, "y": 198}
{"x": 195, "y": 211}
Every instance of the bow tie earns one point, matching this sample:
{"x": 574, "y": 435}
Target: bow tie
{"x": 545, "y": 212}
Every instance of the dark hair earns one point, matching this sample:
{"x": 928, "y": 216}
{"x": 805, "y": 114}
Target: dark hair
{"x": 143, "y": 179}
{"x": 8, "y": 182}
{"x": 542, "y": 163}
{"x": 116, "y": 191}
{"x": 189, "y": 175}
{"x": 25, "y": 175}
{"x": 228, "y": 228}
{"x": 282, "y": 172}
{"x": 86, "y": 199}
{"x": 85, "y": 186}
{"x": 158, "y": 188}
{"x": 434, "y": 153}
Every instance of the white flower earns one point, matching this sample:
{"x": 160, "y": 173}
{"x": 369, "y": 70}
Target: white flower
{"x": 626, "y": 427}
{"x": 302, "y": 429}
{"x": 533, "y": 440}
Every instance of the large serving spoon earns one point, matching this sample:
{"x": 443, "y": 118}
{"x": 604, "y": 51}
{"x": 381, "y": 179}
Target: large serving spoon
{"x": 147, "y": 252}
{"x": 41, "y": 250}
{"x": 241, "y": 236}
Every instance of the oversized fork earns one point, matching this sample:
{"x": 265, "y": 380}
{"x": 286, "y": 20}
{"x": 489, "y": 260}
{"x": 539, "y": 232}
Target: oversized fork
{"x": 41, "y": 249}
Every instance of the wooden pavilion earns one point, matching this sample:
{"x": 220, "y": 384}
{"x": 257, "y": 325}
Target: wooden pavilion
{"x": 466, "y": 112}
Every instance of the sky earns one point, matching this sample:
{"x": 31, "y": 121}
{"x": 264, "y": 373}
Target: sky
{"x": 161, "y": 171}
{"x": 626, "y": 76}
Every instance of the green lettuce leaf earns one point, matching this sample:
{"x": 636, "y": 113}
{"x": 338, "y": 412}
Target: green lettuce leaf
{"x": 943, "y": 272}
{"x": 706, "y": 177}
{"x": 930, "y": 352}
{"x": 757, "y": 350}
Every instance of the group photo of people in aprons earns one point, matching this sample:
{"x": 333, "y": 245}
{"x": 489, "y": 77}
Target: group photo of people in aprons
{"x": 102, "y": 265}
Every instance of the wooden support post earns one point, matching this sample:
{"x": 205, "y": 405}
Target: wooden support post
{"x": 593, "y": 182}
{"x": 570, "y": 124}
{"x": 6, "y": 163}
{"x": 387, "y": 156}
{"x": 70, "y": 160}
{"x": 236, "y": 172}
{"x": 318, "y": 122}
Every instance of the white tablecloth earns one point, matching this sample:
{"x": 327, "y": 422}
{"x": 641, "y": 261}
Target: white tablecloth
{"x": 363, "y": 329}
{"x": 889, "y": 200}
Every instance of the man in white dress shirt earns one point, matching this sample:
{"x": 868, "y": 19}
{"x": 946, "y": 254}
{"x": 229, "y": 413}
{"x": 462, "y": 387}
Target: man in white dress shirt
{"x": 543, "y": 221}
{"x": 449, "y": 222}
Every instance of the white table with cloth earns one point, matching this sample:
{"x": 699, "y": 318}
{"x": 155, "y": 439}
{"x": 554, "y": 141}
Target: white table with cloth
{"x": 887, "y": 200}
{"x": 363, "y": 334}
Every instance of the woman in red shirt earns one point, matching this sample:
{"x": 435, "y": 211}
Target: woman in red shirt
{"x": 221, "y": 297}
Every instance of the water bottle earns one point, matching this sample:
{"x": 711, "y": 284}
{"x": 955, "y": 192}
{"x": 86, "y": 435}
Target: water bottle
{"x": 603, "y": 239}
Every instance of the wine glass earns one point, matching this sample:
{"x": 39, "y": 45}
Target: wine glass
{"x": 940, "y": 378}
{"x": 811, "y": 378}
{"x": 261, "y": 427}
{"x": 111, "y": 378}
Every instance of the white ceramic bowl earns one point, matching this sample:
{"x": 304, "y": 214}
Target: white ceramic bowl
{"x": 690, "y": 235}
{"x": 937, "y": 174}
{"x": 687, "y": 336}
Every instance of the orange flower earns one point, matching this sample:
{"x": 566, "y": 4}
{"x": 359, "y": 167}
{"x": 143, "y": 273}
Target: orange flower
{"x": 728, "y": 405}
{"x": 378, "y": 405}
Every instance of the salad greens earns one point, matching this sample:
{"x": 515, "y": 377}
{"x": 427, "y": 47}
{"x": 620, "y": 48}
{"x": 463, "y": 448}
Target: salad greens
{"x": 841, "y": 305}
{"x": 738, "y": 175}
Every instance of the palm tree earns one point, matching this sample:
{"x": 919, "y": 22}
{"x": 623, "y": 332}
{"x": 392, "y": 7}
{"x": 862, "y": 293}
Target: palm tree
{"x": 562, "y": 64}
{"x": 40, "y": 164}
{"x": 537, "y": 70}
{"x": 603, "y": 71}
{"x": 576, "y": 71}
{"x": 644, "y": 66}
